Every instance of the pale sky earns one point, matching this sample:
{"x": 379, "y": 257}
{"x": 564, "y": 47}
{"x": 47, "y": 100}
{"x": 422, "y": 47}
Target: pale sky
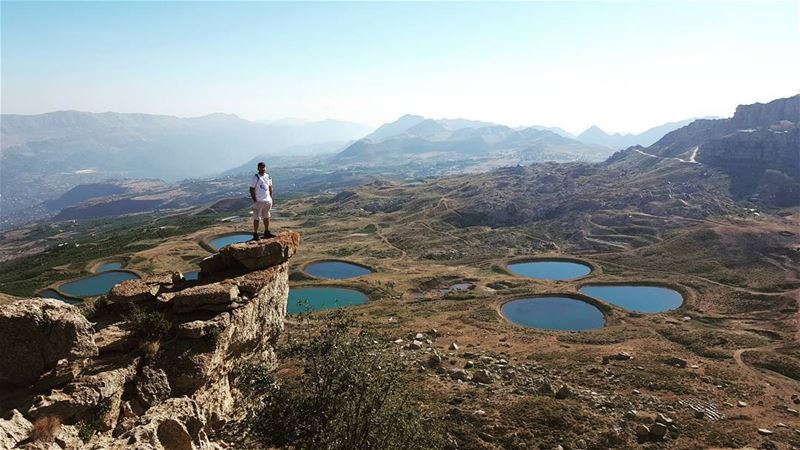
{"x": 622, "y": 66}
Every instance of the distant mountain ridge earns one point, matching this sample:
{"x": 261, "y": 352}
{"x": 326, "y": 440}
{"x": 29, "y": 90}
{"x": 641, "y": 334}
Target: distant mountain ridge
{"x": 617, "y": 141}
{"x": 413, "y": 135}
{"x": 44, "y": 155}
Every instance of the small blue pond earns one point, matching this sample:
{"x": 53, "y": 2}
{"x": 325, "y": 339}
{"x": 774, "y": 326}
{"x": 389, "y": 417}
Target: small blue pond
{"x": 222, "y": 241}
{"x": 550, "y": 270}
{"x": 105, "y": 267}
{"x": 336, "y": 270}
{"x": 553, "y": 313}
{"x": 95, "y": 285}
{"x": 318, "y": 298}
{"x": 643, "y": 299}
{"x": 192, "y": 275}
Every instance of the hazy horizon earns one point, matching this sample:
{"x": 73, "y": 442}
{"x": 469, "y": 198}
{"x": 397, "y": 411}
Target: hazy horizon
{"x": 624, "y": 67}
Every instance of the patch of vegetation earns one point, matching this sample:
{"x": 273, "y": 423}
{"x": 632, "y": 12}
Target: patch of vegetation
{"x": 150, "y": 326}
{"x": 26, "y": 275}
{"x": 89, "y": 306}
{"x": 213, "y": 335}
{"x": 45, "y": 429}
{"x": 351, "y": 392}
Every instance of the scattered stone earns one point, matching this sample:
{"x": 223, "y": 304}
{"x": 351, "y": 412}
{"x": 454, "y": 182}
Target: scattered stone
{"x": 434, "y": 360}
{"x": 415, "y": 345}
{"x": 658, "y": 430}
{"x": 398, "y": 341}
{"x": 741, "y": 404}
{"x": 419, "y": 336}
{"x": 483, "y": 376}
{"x": 677, "y": 362}
{"x": 563, "y": 392}
{"x": 661, "y": 418}
{"x": 469, "y": 365}
{"x": 546, "y": 389}
{"x": 765, "y": 432}
{"x": 621, "y": 356}
{"x": 461, "y": 375}
{"x": 642, "y": 431}
{"x": 453, "y": 346}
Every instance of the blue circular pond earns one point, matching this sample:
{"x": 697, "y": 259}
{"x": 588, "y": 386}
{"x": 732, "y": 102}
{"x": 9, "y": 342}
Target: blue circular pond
{"x": 553, "y": 313}
{"x": 319, "y": 298}
{"x": 550, "y": 270}
{"x": 642, "y": 299}
{"x": 95, "y": 285}
{"x": 219, "y": 242}
{"x": 335, "y": 270}
{"x": 105, "y": 267}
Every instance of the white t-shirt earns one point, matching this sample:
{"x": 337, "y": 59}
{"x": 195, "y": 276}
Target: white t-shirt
{"x": 262, "y": 184}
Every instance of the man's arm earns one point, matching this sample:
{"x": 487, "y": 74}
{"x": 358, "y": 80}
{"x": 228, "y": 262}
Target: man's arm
{"x": 253, "y": 194}
{"x": 270, "y": 190}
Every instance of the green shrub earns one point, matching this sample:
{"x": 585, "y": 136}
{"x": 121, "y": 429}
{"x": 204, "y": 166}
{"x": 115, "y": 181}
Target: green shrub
{"x": 351, "y": 393}
{"x": 150, "y": 326}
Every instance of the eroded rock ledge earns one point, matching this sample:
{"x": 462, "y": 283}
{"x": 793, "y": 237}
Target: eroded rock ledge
{"x": 100, "y": 384}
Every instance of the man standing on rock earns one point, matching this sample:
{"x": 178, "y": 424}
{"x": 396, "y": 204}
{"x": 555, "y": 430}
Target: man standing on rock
{"x": 261, "y": 193}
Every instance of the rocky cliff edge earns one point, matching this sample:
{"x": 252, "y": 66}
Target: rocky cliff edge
{"x": 152, "y": 368}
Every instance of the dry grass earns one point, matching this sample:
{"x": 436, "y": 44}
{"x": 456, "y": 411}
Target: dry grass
{"x": 45, "y": 429}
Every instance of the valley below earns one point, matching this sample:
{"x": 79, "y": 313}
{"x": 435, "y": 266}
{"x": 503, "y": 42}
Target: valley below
{"x": 722, "y": 369}
{"x": 717, "y": 367}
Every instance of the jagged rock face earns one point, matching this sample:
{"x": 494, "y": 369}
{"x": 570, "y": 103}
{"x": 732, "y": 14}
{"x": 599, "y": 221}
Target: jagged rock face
{"x": 165, "y": 395}
{"x": 758, "y": 149}
{"x": 37, "y": 334}
{"x": 747, "y": 156}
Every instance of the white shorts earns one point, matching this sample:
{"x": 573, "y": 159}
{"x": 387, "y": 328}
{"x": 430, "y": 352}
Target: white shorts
{"x": 261, "y": 209}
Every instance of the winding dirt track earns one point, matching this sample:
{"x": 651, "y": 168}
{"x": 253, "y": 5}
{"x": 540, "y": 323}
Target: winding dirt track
{"x": 773, "y": 379}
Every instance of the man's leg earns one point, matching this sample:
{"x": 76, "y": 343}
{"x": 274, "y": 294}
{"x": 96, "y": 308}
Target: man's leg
{"x": 255, "y": 229}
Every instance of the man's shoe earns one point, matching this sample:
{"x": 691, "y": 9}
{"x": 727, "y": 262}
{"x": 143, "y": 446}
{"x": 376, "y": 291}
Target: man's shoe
{"x": 255, "y": 236}
{"x": 268, "y": 235}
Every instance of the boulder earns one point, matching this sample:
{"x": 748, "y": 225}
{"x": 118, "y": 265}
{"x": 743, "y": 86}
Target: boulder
{"x": 658, "y": 430}
{"x": 139, "y": 290}
{"x": 206, "y": 297}
{"x": 177, "y": 423}
{"x": 152, "y": 386}
{"x": 37, "y": 334}
{"x": 115, "y": 339}
{"x": 459, "y": 374}
{"x": 97, "y": 392}
{"x": 261, "y": 254}
{"x": 483, "y": 376}
{"x": 563, "y": 392}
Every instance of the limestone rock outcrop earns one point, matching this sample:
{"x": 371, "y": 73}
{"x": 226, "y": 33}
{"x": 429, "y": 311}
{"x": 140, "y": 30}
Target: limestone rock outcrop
{"x": 38, "y": 333}
{"x": 128, "y": 388}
